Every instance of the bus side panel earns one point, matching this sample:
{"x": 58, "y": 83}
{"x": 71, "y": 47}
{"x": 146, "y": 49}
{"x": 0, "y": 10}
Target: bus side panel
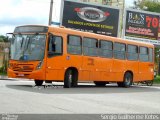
{"x": 118, "y": 69}
{"x": 73, "y": 61}
{"x": 134, "y": 67}
{"x": 95, "y": 73}
{"x": 105, "y": 69}
{"x": 55, "y": 68}
{"x": 87, "y": 65}
{"x": 145, "y": 71}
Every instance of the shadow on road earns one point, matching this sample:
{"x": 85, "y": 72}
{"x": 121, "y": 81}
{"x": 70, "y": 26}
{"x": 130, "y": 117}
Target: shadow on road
{"x": 82, "y": 89}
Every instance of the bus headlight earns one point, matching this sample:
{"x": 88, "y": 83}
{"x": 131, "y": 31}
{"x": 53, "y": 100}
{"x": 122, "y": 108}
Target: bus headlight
{"x": 39, "y": 65}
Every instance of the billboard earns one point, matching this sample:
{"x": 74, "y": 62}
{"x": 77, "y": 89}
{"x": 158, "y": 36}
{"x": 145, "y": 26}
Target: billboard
{"x": 159, "y": 30}
{"x": 91, "y": 18}
{"x": 142, "y": 26}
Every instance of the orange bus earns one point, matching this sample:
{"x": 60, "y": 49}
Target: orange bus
{"x": 47, "y": 53}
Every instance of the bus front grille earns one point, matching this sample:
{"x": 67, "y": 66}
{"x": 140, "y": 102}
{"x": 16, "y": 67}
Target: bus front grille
{"x": 23, "y": 68}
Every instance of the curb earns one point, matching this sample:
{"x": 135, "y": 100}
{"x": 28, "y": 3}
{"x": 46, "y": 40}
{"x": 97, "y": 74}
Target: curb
{"x": 157, "y": 85}
{"x": 3, "y": 77}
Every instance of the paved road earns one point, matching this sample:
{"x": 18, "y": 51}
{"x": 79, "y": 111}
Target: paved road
{"x": 23, "y": 97}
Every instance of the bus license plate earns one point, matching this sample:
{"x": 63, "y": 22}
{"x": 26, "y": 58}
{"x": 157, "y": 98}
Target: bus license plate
{"x": 21, "y": 75}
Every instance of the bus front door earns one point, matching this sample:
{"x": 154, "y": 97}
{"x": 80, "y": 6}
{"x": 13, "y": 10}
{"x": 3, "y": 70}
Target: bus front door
{"x": 55, "y": 59}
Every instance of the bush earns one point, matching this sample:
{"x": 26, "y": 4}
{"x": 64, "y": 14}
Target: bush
{"x": 3, "y": 69}
{"x": 3, "y": 38}
{"x": 157, "y": 80}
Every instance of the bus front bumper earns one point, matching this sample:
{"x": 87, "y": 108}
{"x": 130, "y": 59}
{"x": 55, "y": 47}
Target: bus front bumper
{"x": 36, "y": 74}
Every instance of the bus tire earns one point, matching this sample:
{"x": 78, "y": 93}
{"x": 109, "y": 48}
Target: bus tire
{"x": 120, "y": 84}
{"x": 128, "y": 79}
{"x": 149, "y": 83}
{"x": 38, "y": 82}
{"x": 100, "y": 83}
{"x": 75, "y": 79}
{"x": 70, "y": 79}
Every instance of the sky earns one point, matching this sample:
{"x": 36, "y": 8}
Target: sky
{"x": 22, "y": 12}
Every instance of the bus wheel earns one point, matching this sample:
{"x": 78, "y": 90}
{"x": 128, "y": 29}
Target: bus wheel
{"x": 120, "y": 84}
{"x": 68, "y": 79}
{"x": 100, "y": 83}
{"x": 38, "y": 82}
{"x": 128, "y": 79}
{"x": 149, "y": 83}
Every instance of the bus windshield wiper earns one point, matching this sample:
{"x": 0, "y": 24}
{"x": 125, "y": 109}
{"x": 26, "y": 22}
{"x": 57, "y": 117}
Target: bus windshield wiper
{"x": 28, "y": 42}
{"x": 22, "y": 42}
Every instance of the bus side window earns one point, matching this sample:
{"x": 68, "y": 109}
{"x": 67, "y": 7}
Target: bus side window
{"x": 105, "y": 48}
{"x": 90, "y": 46}
{"x": 55, "y": 45}
{"x": 150, "y": 54}
{"x": 74, "y": 44}
{"x": 119, "y": 51}
{"x": 144, "y": 54}
{"x": 132, "y": 52}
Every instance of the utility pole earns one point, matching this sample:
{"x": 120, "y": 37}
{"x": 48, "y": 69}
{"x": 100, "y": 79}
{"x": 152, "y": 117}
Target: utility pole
{"x": 50, "y": 13}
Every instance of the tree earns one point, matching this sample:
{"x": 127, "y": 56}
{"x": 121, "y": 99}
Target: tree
{"x": 3, "y": 38}
{"x": 148, "y": 5}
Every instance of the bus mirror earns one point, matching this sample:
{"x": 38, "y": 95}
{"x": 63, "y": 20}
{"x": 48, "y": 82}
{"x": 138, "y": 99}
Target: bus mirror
{"x": 9, "y": 37}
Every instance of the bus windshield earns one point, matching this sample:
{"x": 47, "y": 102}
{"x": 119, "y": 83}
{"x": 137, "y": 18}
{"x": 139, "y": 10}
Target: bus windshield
{"x": 28, "y": 47}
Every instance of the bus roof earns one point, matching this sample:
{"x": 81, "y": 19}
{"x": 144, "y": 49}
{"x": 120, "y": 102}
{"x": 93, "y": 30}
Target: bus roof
{"x": 98, "y": 36}
{"x": 86, "y": 34}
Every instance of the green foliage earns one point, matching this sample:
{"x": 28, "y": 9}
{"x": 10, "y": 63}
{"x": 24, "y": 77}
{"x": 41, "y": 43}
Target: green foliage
{"x": 3, "y": 69}
{"x": 148, "y": 5}
{"x": 156, "y": 58}
{"x": 157, "y": 80}
{"x": 4, "y": 74}
{"x": 3, "y": 38}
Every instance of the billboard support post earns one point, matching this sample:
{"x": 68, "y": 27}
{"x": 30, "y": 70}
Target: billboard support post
{"x": 159, "y": 63}
{"x": 50, "y": 13}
